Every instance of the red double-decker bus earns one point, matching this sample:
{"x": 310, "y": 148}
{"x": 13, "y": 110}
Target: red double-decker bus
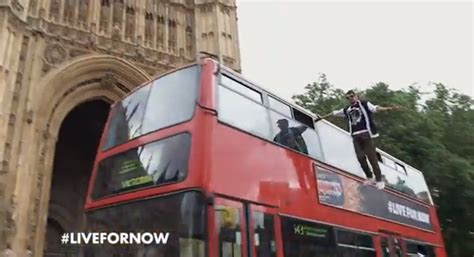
{"x": 195, "y": 153}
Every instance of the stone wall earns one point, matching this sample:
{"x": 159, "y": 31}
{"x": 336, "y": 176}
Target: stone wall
{"x": 56, "y": 54}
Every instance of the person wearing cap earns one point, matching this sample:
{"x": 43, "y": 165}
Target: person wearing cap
{"x": 362, "y": 128}
{"x": 291, "y": 136}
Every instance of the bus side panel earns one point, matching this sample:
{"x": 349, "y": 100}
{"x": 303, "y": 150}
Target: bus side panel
{"x": 253, "y": 169}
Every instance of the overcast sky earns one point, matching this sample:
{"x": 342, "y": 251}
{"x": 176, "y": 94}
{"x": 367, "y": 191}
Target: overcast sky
{"x": 286, "y": 44}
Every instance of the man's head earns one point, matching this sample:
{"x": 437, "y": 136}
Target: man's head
{"x": 351, "y": 96}
{"x": 282, "y": 124}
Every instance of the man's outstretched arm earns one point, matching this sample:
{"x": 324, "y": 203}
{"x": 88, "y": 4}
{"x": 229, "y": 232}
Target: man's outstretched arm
{"x": 376, "y": 108}
{"x": 339, "y": 113}
{"x": 299, "y": 130}
{"x": 388, "y": 108}
{"x": 325, "y": 116}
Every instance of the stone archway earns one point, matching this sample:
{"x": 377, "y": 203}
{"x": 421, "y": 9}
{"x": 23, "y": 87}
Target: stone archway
{"x": 64, "y": 92}
{"x": 76, "y": 147}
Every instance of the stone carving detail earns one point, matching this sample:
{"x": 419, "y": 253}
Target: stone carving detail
{"x": 41, "y": 13}
{"x": 172, "y": 31}
{"x": 116, "y": 33}
{"x": 46, "y": 67}
{"x": 83, "y": 12}
{"x": 11, "y": 119}
{"x": 149, "y": 28}
{"x": 4, "y": 167}
{"x": 10, "y": 221}
{"x": 32, "y": 7}
{"x": 104, "y": 43}
{"x": 161, "y": 27}
{"x": 76, "y": 52}
{"x": 104, "y": 16}
{"x": 46, "y": 134}
{"x": 130, "y": 24}
{"x": 68, "y": 16}
{"x": 92, "y": 40}
{"x": 189, "y": 40}
{"x": 172, "y": 36}
{"x": 150, "y": 16}
{"x": 108, "y": 81}
{"x": 17, "y": 5}
{"x": 69, "y": 32}
{"x": 150, "y": 72}
{"x": 15, "y": 23}
{"x": 54, "y": 28}
{"x": 16, "y": 96}
{"x": 118, "y": 12}
{"x": 139, "y": 54}
{"x": 55, "y": 54}
{"x": 29, "y": 116}
{"x": 54, "y": 10}
{"x": 36, "y": 202}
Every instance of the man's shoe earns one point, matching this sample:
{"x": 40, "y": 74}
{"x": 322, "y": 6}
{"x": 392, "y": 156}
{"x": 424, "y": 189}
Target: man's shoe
{"x": 380, "y": 185}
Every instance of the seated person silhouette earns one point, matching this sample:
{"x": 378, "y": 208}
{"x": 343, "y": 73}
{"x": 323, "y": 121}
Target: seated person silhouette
{"x": 291, "y": 136}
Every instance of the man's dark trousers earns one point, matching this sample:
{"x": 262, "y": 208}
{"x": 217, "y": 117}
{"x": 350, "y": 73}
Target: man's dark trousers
{"x": 364, "y": 147}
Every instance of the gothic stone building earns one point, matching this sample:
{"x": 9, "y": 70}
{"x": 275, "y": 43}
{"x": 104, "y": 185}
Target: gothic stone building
{"x": 62, "y": 62}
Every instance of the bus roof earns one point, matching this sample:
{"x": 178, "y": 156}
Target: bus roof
{"x": 258, "y": 87}
{"x": 304, "y": 110}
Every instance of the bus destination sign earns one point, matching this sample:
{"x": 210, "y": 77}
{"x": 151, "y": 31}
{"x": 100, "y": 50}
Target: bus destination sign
{"x": 311, "y": 231}
{"x": 132, "y": 174}
{"x": 302, "y": 230}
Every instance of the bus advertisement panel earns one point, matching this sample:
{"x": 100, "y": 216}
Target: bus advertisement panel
{"x": 343, "y": 192}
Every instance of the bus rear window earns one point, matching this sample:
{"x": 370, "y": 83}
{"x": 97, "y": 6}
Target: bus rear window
{"x": 157, "y": 163}
{"x": 167, "y": 101}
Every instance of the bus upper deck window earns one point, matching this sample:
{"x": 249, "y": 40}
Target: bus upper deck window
{"x": 241, "y": 88}
{"x": 388, "y": 162}
{"x": 400, "y": 168}
{"x": 303, "y": 118}
{"x": 279, "y": 106}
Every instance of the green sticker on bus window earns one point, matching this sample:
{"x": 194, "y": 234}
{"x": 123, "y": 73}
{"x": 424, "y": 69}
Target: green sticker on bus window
{"x": 137, "y": 181}
{"x": 304, "y": 230}
{"x": 130, "y": 165}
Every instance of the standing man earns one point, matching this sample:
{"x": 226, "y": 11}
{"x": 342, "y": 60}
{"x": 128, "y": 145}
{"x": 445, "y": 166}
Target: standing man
{"x": 362, "y": 128}
{"x": 291, "y": 136}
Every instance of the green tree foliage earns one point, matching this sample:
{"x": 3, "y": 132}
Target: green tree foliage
{"x": 435, "y": 135}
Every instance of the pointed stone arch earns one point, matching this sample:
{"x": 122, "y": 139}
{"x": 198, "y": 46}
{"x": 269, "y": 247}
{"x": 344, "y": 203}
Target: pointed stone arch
{"x": 61, "y": 90}
{"x": 73, "y": 75}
